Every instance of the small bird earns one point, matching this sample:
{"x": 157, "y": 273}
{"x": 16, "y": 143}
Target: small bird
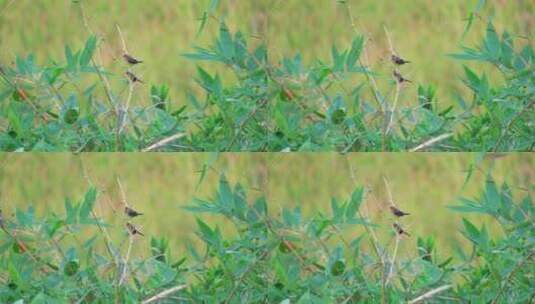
{"x": 133, "y": 78}
{"x": 400, "y": 231}
{"x": 395, "y": 211}
{"x": 133, "y": 230}
{"x": 131, "y": 60}
{"x": 398, "y": 60}
{"x": 131, "y": 212}
{"x": 399, "y": 78}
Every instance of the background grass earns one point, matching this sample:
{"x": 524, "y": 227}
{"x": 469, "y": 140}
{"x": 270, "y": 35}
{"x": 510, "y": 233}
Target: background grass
{"x": 422, "y": 31}
{"x": 159, "y": 185}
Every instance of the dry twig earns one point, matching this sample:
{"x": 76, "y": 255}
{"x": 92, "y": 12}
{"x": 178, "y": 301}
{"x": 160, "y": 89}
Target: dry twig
{"x": 162, "y": 295}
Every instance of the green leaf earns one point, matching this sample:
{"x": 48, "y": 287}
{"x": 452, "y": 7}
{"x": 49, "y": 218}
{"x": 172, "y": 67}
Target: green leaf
{"x": 72, "y": 212}
{"x": 53, "y": 74}
{"x": 292, "y": 217}
{"x": 210, "y": 236}
{"x": 280, "y": 271}
{"x": 471, "y": 232}
{"x": 71, "y": 268}
{"x": 5, "y": 245}
{"x": 27, "y": 218}
{"x": 260, "y": 206}
{"x": 88, "y": 203}
{"x": 472, "y": 79}
{"x": 71, "y": 116}
{"x": 224, "y": 195}
{"x": 469, "y": 22}
{"x": 467, "y": 208}
{"x": 14, "y": 274}
{"x": 306, "y": 298}
{"x": 354, "y": 203}
{"x": 202, "y": 23}
{"x": 71, "y": 60}
{"x": 214, "y": 4}
{"x": 281, "y": 121}
{"x": 225, "y": 43}
{"x": 339, "y": 60}
{"x": 469, "y": 54}
{"x": 203, "y": 54}
{"x": 88, "y": 51}
{"x": 338, "y": 116}
{"x": 338, "y": 211}
{"x": 354, "y": 53}
{"x": 54, "y": 227}
{"x": 14, "y": 121}
{"x": 492, "y": 196}
{"x": 212, "y": 157}
{"x": 472, "y": 16}
{"x": 492, "y": 42}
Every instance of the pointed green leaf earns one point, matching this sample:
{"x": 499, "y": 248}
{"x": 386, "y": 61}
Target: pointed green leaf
{"x": 88, "y": 203}
{"x": 88, "y": 51}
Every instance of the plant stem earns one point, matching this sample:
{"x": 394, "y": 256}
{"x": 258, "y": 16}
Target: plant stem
{"x": 162, "y": 295}
{"x": 431, "y": 142}
{"x": 430, "y": 294}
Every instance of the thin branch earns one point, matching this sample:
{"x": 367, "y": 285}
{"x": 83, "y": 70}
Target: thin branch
{"x": 370, "y": 231}
{"x": 393, "y": 261}
{"x": 123, "y": 195}
{"x": 123, "y": 42}
{"x": 162, "y": 295}
{"x": 393, "y": 109}
{"x": 124, "y": 111}
{"x": 126, "y": 259}
{"x": 102, "y": 77}
{"x": 369, "y": 77}
{"x": 84, "y": 17}
{"x": 390, "y": 197}
{"x": 398, "y": 88}
{"x": 430, "y": 294}
{"x": 164, "y": 142}
{"x": 102, "y": 228}
{"x": 431, "y": 142}
{"x": 390, "y": 45}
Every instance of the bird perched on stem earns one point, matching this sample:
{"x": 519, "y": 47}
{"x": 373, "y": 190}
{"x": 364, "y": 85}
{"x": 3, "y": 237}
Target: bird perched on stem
{"x": 133, "y": 230}
{"x": 399, "y": 230}
{"x": 131, "y": 212}
{"x": 133, "y": 78}
{"x": 131, "y": 60}
{"x": 398, "y": 60}
{"x": 399, "y": 78}
{"x": 395, "y": 211}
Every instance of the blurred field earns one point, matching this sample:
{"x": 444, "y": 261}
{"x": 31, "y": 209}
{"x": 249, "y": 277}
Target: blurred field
{"x": 160, "y": 30}
{"x": 160, "y": 184}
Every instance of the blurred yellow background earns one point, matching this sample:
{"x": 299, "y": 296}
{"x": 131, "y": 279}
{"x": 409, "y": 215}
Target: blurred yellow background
{"x": 160, "y": 184}
{"x": 159, "y": 31}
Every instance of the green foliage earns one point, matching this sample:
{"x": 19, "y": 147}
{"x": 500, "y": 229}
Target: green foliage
{"x": 268, "y": 105}
{"x": 500, "y": 117}
{"x": 284, "y": 258}
{"x": 505, "y": 265}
